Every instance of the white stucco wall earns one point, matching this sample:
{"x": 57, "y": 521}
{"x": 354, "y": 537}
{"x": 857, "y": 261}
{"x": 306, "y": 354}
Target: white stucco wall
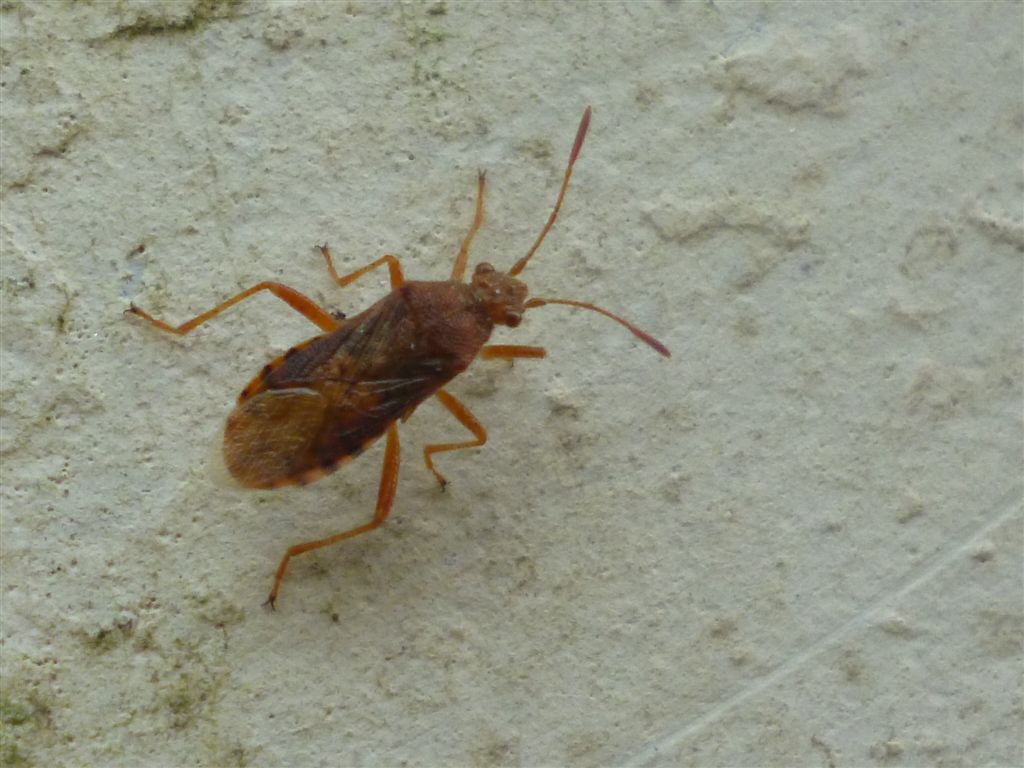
{"x": 797, "y": 542}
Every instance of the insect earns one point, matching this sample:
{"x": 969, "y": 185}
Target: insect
{"x": 324, "y": 401}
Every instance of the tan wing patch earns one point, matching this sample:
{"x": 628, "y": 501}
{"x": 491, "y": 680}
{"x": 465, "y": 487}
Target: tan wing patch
{"x": 269, "y": 438}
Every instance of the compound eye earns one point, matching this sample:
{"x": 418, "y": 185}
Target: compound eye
{"x": 513, "y": 318}
{"x": 483, "y": 268}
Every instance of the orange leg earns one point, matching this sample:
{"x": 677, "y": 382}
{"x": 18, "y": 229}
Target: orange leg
{"x": 304, "y": 305}
{"x": 510, "y": 351}
{"x": 467, "y": 419}
{"x": 459, "y": 269}
{"x": 385, "y": 498}
{"x": 394, "y": 269}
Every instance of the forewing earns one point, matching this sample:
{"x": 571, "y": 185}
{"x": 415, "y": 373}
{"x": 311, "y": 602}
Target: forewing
{"x": 326, "y": 401}
{"x": 269, "y": 437}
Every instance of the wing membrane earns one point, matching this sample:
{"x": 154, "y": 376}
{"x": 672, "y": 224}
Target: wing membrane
{"x": 268, "y": 438}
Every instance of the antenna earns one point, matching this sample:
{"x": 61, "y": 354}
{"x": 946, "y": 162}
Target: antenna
{"x": 645, "y": 337}
{"x": 581, "y": 132}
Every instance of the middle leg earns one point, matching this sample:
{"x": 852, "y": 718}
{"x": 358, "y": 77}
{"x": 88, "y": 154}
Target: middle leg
{"x": 394, "y": 269}
{"x": 466, "y": 419}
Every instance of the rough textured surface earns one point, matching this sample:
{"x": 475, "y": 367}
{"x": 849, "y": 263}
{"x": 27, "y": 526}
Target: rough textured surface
{"x": 797, "y": 542}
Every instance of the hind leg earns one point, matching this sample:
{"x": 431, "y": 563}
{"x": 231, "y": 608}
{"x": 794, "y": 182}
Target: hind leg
{"x": 385, "y": 498}
{"x": 304, "y": 305}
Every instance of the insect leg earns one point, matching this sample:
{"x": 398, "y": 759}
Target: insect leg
{"x": 385, "y": 498}
{"x": 304, "y": 305}
{"x": 467, "y": 419}
{"x": 510, "y": 351}
{"x": 478, "y": 219}
{"x": 394, "y": 269}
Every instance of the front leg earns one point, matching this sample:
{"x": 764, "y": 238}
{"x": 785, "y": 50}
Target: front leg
{"x": 511, "y": 352}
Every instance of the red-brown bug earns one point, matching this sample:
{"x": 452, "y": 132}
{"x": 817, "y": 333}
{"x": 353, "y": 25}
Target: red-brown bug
{"x": 325, "y": 400}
